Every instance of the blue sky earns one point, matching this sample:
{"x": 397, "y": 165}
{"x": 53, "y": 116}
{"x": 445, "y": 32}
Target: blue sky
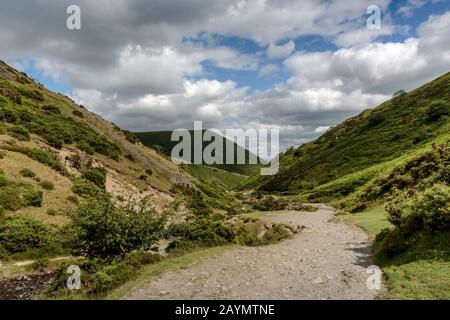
{"x": 300, "y": 66}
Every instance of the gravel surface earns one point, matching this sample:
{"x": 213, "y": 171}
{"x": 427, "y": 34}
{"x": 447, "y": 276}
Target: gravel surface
{"x": 327, "y": 260}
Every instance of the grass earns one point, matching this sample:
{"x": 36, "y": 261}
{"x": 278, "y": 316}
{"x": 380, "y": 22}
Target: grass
{"x": 372, "y": 220}
{"x": 419, "y": 280}
{"x": 215, "y": 175}
{"x": 170, "y": 264}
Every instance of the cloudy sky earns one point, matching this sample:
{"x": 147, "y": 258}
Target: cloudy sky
{"x": 300, "y": 66}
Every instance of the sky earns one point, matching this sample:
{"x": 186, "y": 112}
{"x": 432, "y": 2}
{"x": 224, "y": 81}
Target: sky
{"x": 299, "y": 66}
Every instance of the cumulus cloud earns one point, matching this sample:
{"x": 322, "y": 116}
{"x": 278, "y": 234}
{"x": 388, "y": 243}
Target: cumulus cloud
{"x": 281, "y": 51}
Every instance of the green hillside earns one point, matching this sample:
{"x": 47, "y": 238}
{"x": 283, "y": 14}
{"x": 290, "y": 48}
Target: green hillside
{"x": 161, "y": 140}
{"x": 400, "y": 126}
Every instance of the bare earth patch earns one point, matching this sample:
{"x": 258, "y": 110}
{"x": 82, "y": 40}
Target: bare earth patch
{"x": 327, "y": 260}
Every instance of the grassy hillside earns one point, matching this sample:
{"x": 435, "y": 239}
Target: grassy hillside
{"x": 161, "y": 140}
{"x": 399, "y": 126}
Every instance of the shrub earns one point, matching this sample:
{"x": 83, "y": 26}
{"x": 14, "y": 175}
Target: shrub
{"x": 438, "y": 109}
{"x": 20, "y": 132}
{"x": 105, "y": 230}
{"x": 268, "y": 203}
{"x": 426, "y": 213}
{"x": 143, "y": 177}
{"x": 399, "y": 93}
{"x": 376, "y": 118}
{"x": 96, "y": 176}
{"x": 72, "y": 199}
{"x": 10, "y": 198}
{"x": 84, "y": 146}
{"x": 47, "y": 185}
{"x": 149, "y": 171}
{"x": 86, "y": 189}
{"x": 32, "y": 196}
{"x": 20, "y": 234}
{"x": 51, "y": 109}
{"x": 27, "y": 173}
{"x": 201, "y": 232}
{"x": 78, "y": 113}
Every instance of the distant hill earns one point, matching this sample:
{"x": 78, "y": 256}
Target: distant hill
{"x": 359, "y": 149}
{"x": 161, "y": 140}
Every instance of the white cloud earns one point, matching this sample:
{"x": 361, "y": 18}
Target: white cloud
{"x": 282, "y": 51}
{"x": 408, "y": 9}
{"x": 267, "y": 70}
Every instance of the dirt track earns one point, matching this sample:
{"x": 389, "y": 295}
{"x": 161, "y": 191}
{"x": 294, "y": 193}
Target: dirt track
{"x": 327, "y": 260}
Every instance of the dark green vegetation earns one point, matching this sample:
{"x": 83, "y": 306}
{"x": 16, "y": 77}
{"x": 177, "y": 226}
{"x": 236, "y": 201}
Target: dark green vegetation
{"x": 161, "y": 141}
{"x": 15, "y": 194}
{"x": 388, "y": 170}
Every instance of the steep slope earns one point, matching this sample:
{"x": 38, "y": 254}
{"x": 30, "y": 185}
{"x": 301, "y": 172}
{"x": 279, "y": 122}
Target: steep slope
{"x": 406, "y": 124}
{"x": 162, "y": 140}
{"x": 56, "y": 140}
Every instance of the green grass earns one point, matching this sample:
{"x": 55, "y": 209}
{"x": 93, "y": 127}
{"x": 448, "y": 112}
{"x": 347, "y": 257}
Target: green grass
{"x": 215, "y": 175}
{"x": 371, "y": 220}
{"x": 169, "y": 264}
{"x": 419, "y": 280}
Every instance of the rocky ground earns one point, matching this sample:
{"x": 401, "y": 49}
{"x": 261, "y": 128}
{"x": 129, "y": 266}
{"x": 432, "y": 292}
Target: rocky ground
{"x": 327, "y": 260}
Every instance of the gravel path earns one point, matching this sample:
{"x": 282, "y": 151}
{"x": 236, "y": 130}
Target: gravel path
{"x": 327, "y": 260}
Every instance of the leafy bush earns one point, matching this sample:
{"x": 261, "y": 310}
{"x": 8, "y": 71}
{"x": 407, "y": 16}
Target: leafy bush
{"x": 201, "y": 232}
{"x": 20, "y": 234}
{"x": 51, "y": 109}
{"x": 268, "y": 203}
{"x": 27, "y": 173}
{"x": 96, "y": 176}
{"x": 105, "y": 230}
{"x": 20, "y": 132}
{"x": 438, "y": 109}
{"x": 426, "y": 213}
{"x": 78, "y": 113}
{"x": 376, "y": 118}
{"x": 9, "y": 198}
{"x": 86, "y": 189}
{"x": 32, "y": 196}
{"x": 47, "y": 185}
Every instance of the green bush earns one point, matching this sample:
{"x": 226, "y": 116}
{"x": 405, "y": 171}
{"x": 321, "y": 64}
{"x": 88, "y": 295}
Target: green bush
{"x": 27, "y": 173}
{"x": 105, "y": 230}
{"x": 84, "y": 146}
{"x": 201, "y": 232}
{"x": 438, "y": 109}
{"x": 86, "y": 189}
{"x": 20, "y": 132}
{"x": 51, "y": 109}
{"x": 96, "y": 176}
{"x": 10, "y": 198}
{"x": 78, "y": 113}
{"x": 426, "y": 213}
{"x": 20, "y": 234}
{"x": 47, "y": 185}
